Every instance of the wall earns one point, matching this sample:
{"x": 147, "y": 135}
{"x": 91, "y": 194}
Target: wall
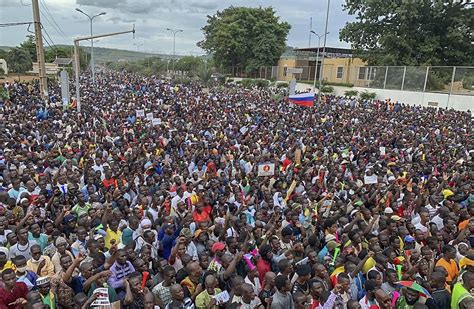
{"x": 3, "y": 65}
{"x": 289, "y": 62}
{"x": 457, "y": 102}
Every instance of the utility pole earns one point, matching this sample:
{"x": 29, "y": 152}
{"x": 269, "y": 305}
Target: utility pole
{"x": 310, "y": 29}
{"x": 76, "y": 59}
{"x": 40, "y": 50}
{"x": 316, "y": 76}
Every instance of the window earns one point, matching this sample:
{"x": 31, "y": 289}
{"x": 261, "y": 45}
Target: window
{"x": 373, "y": 73}
{"x": 362, "y": 73}
{"x": 340, "y": 71}
{"x": 285, "y": 71}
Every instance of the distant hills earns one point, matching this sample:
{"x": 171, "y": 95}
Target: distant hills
{"x": 102, "y": 54}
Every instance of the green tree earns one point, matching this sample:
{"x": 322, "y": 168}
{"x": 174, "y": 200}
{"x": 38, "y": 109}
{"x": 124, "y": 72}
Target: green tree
{"x": 422, "y": 32}
{"x": 189, "y": 64}
{"x": 19, "y": 61}
{"x": 29, "y": 46}
{"x": 248, "y": 37}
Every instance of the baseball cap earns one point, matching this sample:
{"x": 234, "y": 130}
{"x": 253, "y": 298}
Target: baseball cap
{"x": 218, "y": 246}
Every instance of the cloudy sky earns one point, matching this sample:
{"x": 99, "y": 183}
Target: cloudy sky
{"x": 152, "y": 17}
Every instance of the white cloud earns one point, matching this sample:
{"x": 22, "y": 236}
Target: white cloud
{"x": 152, "y": 17}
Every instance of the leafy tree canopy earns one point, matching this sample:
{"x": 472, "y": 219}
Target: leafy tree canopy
{"x": 189, "y": 64}
{"x": 421, "y": 32}
{"x": 248, "y": 37}
{"x": 19, "y": 61}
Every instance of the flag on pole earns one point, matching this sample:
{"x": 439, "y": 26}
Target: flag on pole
{"x": 302, "y": 99}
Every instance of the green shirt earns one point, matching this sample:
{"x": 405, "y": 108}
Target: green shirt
{"x": 203, "y": 299}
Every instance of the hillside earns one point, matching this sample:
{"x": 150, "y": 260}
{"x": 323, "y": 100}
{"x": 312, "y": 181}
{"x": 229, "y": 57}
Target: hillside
{"x": 102, "y": 54}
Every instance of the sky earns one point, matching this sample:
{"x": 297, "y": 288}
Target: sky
{"x": 151, "y": 18}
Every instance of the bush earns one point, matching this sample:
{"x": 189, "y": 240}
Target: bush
{"x": 351, "y": 93}
{"x": 262, "y": 83}
{"x": 247, "y": 83}
{"x": 367, "y": 95}
{"x": 229, "y": 80}
{"x": 327, "y": 89}
{"x": 326, "y": 83}
{"x": 282, "y": 85}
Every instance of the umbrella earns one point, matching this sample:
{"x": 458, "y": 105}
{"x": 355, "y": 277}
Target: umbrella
{"x": 415, "y": 287}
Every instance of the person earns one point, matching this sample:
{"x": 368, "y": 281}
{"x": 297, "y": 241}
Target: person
{"x": 178, "y": 300}
{"x": 438, "y": 290}
{"x": 134, "y": 292}
{"x": 282, "y": 297}
{"x": 409, "y": 298}
{"x": 249, "y": 299}
{"x": 300, "y": 300}
{"x": 369, "y": 299}
{"x": 162, "y": 290}
{"x": 268, "y": 289}
{"x": 60, "y": 282}
{"x": 461, "y": 296}
{"x": 24, "y": 274}
{"x": 47, "y": 296}
{"x": 383, "y": 299}
{"x": 23, "y": 245}
{"x": 40, "y": 264}
{"x": 206, "y": 299}
{"x": 448, "y": 262}
{"x": 120, "y": 270}
{"x": 13, "y": 294}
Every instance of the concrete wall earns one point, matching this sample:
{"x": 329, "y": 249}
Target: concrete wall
{"x": 441, "y": 100}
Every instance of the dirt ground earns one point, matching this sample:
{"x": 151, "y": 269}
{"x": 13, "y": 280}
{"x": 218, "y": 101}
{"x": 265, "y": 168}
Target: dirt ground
{"x": 13, "y": 77}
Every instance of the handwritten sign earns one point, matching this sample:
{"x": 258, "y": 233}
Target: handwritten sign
{"x": 102, "y": 297}
{"x": 156, "y": 121}
{"x": 369, "y": 180}
{"x": 149, "y": 116}
{"x": 140, "y": 113}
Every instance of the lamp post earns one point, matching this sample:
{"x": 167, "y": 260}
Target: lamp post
{"x": 91, "y": 18}
{"x": 174, "y": 42}
{"x": 324, "y": 46}
{"x": 317, "y": 58}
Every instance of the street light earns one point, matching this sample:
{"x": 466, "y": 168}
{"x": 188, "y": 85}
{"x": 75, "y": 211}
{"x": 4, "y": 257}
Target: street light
{"x": 317, "y": 58}
{"x": 92, "y": 41}
{"x": 174, "y": 42}
{"x": 324, "y": 46}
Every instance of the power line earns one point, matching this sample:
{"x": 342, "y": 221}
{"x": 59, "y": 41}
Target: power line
{"x": 50, "y": 14}
{"x": 15, "y": 24}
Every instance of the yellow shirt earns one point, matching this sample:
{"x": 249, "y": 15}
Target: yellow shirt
{"x": 46, "y": 271}
{"x": 117, "y": 236}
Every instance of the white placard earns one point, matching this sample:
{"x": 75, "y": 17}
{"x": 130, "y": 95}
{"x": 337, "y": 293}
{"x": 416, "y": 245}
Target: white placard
{"x": 222, "y": 298}
{"x": 149, "y": 116}
{"x": 266, "y": 169}
{"x": 243, "y": 130}
{"x": 102, "y": 297}
{"x": 369, "y": 180}
{"x": 382, "y": 151}
{"x": 156, "y": 121}
{"x": 140, "y": 113}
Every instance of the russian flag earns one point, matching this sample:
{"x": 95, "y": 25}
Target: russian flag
{"x": 302, "y": 99}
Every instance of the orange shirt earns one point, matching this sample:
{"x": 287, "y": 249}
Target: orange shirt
{"x": 451, "y": 267}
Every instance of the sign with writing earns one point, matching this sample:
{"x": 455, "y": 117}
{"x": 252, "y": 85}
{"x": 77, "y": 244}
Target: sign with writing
{"x": 369, "y": 180}
{"x": 102, "y": 297}
{"x": 266, "y": 169}
{"x": 149, "y": 116}
{"x": 140, "y": 113}
{"x": 156, "y": 121}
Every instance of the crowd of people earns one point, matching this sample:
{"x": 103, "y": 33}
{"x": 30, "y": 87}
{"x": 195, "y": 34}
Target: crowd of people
{"x": 162, "y": 195}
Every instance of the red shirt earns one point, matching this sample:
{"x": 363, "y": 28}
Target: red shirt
{"x": 7, "y": 297}
{"x": 263, "y": 267}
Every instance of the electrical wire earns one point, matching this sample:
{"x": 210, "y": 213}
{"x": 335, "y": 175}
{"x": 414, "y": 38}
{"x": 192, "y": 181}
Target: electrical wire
{"x": 15, "y": 24}
{"x": 54, "y": 23}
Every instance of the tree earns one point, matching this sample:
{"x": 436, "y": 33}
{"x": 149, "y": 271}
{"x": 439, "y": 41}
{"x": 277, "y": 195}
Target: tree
{"x": 422, "y": 32}
{"x": 19, "y": 61}
{"x": 189, "y": 64}
{"x": 30, "y": 47}
{"x": 248, "y": 37}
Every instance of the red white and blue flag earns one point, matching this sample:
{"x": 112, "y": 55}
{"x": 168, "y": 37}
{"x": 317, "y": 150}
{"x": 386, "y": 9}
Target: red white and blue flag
{"x": 302, "y": 99}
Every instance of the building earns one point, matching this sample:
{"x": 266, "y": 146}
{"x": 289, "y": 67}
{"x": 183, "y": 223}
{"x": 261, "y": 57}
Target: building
{"x": 339, "y": 65}
{"x": 53, "y": 67}
{"x": 3, "y": 66}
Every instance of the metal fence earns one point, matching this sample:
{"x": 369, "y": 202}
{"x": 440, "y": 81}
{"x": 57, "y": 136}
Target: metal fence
{"x": 440, "y": 79}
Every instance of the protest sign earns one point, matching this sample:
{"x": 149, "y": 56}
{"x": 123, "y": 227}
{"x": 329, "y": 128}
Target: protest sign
{"x": 266, "y": 169}
{"x": 140, "y": 113}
